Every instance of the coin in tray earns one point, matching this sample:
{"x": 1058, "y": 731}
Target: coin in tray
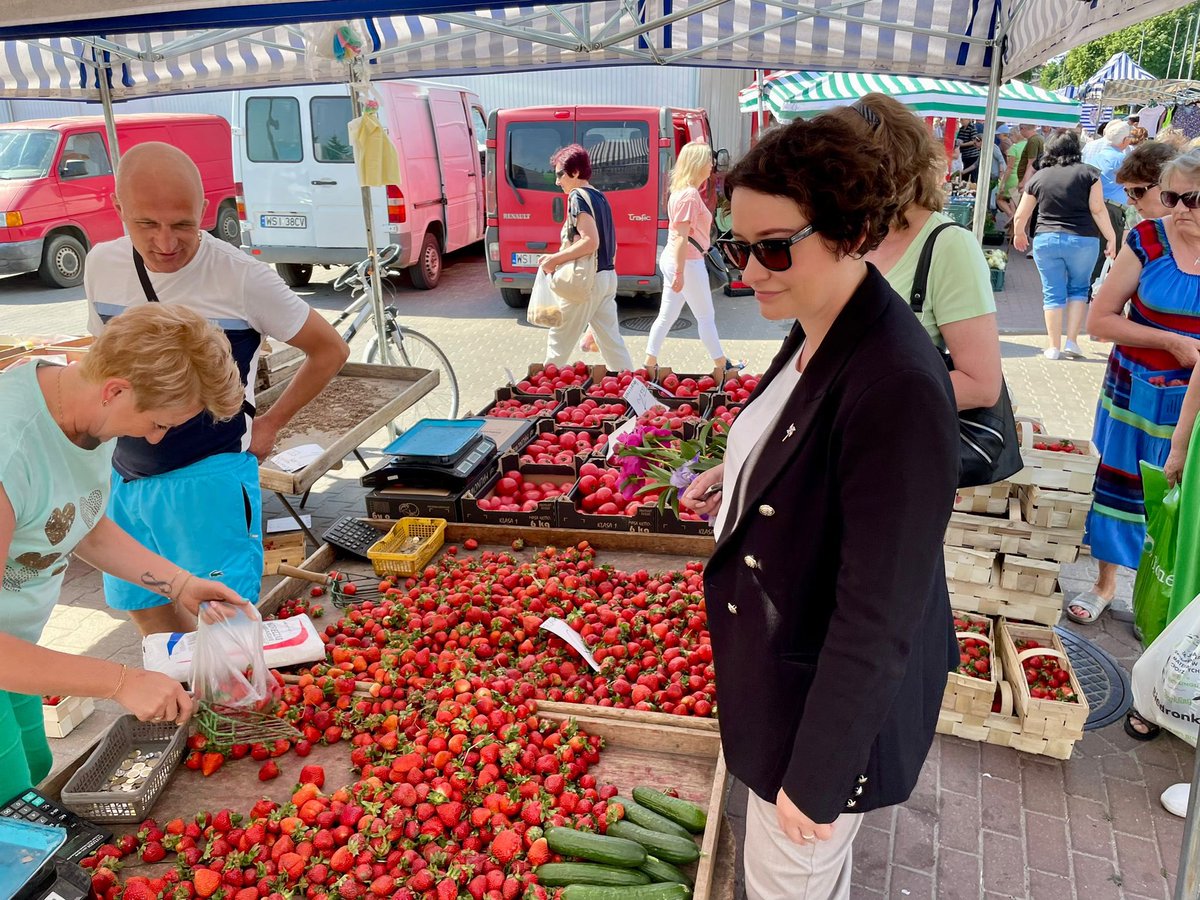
{"x": 134, "y": 770}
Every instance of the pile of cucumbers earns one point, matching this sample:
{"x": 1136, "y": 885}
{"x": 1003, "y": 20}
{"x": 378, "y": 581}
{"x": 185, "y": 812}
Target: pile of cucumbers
{"x": 637, "y": 859}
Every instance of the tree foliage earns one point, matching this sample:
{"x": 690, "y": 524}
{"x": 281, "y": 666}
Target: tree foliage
{"x": 1149, "y": 43}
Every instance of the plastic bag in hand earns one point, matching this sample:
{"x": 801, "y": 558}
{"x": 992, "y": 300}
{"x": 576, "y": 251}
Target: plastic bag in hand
{"x": 545, "y": 311}
{"x": 230, "y": 669}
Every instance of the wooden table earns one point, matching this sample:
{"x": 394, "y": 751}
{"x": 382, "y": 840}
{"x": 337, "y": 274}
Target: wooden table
{"x": 384, "y": 392}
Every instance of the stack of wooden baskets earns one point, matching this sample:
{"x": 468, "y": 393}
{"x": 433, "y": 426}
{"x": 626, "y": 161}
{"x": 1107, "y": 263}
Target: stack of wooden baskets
{"x": 1004, "y": 549}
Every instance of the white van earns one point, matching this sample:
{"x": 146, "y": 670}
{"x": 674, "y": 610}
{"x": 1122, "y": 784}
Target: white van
{"x": 299, "y": 199}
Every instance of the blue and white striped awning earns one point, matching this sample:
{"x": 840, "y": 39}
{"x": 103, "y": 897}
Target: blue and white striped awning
{"x": 939, "y": 38}
{"x": 1120, "y": 66}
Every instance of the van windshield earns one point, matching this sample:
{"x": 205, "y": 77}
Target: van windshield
{"x": 25, "y": 153}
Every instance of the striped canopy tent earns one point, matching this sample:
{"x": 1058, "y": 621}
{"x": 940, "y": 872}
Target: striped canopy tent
{"x": 1019, "y": 102}
{"x": 1120, "y": 67}
{"x": 54, "y": 50}
{"x": 1139, "y": 91}
{"x": 776, "y": 88}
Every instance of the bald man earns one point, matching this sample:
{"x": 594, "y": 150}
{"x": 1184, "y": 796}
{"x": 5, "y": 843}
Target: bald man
{"x": 194, "y": 496}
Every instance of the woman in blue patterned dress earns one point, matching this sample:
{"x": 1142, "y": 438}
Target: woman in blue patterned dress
{"x": 1158, "y": 273}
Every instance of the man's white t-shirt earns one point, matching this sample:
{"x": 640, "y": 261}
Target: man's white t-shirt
{"x": 241, "y": 295}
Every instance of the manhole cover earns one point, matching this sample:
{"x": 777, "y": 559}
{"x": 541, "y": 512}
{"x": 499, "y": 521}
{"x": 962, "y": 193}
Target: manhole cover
{"x": 1104, "y": 682}
{"x": 642, "y": 324}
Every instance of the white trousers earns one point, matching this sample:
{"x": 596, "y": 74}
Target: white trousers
{"x": 696, "y": 294}
{"x": 600, "y": 312}
{"x": 778, "y": 869}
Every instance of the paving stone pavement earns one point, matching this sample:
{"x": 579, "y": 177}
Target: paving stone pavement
{"x": 984, "y": 822}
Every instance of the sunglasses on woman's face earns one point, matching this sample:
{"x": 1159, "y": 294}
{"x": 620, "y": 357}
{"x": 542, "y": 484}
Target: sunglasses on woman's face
{"x": 1138, "y": 191}
{"x": 773, "y": 253}
{"x": 1170, "y": 198}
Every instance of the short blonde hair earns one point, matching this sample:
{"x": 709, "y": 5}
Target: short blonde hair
{"x": 1185, "y": 165}
{"x": 1174, "y": 137}
{"x": 694, "y": 156}
{"x": 916, "y": 161}
{"x": 172, "y": 357}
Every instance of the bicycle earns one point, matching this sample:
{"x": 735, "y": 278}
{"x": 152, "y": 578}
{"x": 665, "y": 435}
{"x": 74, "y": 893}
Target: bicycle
{"x": 408, "y": 346}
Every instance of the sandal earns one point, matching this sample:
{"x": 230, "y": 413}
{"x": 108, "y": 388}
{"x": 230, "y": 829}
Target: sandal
{"x": 1151, "y": 732}
{"x": 731, "y": 366}
{"x": 1094, "y": 604}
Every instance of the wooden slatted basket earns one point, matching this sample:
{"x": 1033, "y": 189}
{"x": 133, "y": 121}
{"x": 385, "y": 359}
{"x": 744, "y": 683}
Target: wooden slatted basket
{"x": 1055, "y": 470}
{"x": 1049, "y": 719}
{"x": 1029, "y": 576}
{"x": 969, "y": 566}
{"x": 987, "y": 499}
{"x": 994, "y": 600}
{"x": 1054, "y": 509}
{"x": 968, "y": 695}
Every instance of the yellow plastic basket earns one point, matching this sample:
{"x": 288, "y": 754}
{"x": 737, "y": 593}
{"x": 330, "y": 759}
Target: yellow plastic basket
{"x": 387, "y": 556}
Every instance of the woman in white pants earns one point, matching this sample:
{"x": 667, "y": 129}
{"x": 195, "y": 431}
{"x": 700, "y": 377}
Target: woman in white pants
{"x": 685, "y": 278}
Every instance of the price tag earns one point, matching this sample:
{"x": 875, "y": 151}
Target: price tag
{"x": 512, "y": 379}
{"x": 638, "y": 396}
{"x": 612, "y": 443}
{"x": 297, "y": 458}
{"x": 568, "y": 634}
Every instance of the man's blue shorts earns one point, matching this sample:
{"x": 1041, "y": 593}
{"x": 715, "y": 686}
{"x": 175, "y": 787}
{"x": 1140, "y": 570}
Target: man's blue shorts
{"x": 204, "y": 518}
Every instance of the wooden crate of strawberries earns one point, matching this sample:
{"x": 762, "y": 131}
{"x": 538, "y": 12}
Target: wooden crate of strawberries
{"x": 995, "y": 600}
{"x": 1056, "y": 463}
{"x": 1046, "y": 692}
{"x": 1054, "y": 509}
{"x": 971, "y": 689}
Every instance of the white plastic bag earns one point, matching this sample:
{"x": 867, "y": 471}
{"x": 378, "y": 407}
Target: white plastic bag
{"x": 1098, "y": 283}
{"x": 1166, "y": 679}
{"x": 545, "y": 310}
{"x": 286, "y": 642}
{"x": 230, "y": 669}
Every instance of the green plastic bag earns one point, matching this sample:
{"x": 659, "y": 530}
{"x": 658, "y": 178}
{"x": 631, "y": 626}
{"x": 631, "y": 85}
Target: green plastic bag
{"x": 1187, "y": 543}
{"x": 1156, "y": 570}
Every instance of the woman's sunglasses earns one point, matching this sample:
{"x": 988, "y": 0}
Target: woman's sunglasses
{"x": 1137, "y": 192}
{"x": 773, "y": 253}
{"x": 1170, "y": 198}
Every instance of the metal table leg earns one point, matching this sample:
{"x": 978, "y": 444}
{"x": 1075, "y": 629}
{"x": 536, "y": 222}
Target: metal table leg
{"x": 359, "y": 457}
{"x": 299, "y": 521}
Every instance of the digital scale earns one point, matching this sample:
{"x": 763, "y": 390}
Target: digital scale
{"x": 41, "y": 845}
{"x": 434, "y": 453}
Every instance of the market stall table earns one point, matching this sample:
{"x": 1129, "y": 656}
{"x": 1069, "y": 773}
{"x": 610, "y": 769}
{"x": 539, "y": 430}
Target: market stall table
{"x": 361, "y": 399}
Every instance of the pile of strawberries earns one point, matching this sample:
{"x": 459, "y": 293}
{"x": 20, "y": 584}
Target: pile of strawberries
{"x": 519, "y": 409}
{"x": 561, "y": 447}
{"x": 453, "y": 776}
{"x": 1059, "y": 446}
{"x": 1161, "y": 381}
{"x": 552, "y": 378}
{"x": 974, "y": 655}
{"x": 589, "y": 414}
{"x": 1047, "y": 678}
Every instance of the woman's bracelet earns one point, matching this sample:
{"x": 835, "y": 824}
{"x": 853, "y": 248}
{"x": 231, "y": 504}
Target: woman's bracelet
{"x": 120, "y": 682}
{"x": 179, "y": 593}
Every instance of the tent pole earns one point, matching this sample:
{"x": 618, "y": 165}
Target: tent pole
{"x": 110, "y": 122}
{"x": 1171, "y": 59}
{"x": 1187, "y": 883}
{"x": 359, "y": 76}
{"x": 989, "y": 138}
{"x": 1195, "y": 40}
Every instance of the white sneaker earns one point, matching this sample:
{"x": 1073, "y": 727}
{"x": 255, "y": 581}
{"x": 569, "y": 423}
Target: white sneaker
{"x": 1072, "y": 351}
{"x": 1052, "y": 353}
{"x": 1175, "y": 799}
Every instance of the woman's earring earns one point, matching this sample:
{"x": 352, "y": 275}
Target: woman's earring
{"x": 104, "y": 403}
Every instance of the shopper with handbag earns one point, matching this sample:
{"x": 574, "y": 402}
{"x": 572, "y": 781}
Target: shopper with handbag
{"x": 583, "y": 271}
{"x": 685, "y": 275}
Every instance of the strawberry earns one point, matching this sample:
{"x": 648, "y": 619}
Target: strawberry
{"x": 383, "y": 886}
{"x": 238, "y": 751}
{"x": 206, "y": 882}
{"x": 539, "y": 852}
{"x": 313, "y": 774}
{"x": 447, "y": 889}
{"x": 210, "y": 762}
{"x": 153, "y": 852}
{"x": 342, "y": 860}
{"x": 349, "y": 889}
{"x": 224, "y": 821}
{"x": 138, "y": 888}
{"x": 269, "y": 770}
{"x": 292, "y": 865}
{"x": 532, "y": 813}
{"x": 450, "y": 813}
{"x": 505, "y": 846}
{"x": 127, "y": 843}
{"x": 259, "y": 752}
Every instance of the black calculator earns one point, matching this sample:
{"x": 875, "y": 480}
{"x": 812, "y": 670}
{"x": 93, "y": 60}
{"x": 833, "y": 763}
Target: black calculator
{"x": 353, "y": 536}
{"x": 83, "y": 837}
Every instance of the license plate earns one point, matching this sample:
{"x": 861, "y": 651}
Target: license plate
{"x": 283, "y": 221}
{"x": 525, "y": 260}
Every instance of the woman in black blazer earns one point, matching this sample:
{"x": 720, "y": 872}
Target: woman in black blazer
{"x": 831, "y": 624}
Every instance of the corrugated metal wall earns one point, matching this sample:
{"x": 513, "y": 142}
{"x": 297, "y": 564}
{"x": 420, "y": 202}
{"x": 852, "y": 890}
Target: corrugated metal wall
{"x": 714, "y": 89}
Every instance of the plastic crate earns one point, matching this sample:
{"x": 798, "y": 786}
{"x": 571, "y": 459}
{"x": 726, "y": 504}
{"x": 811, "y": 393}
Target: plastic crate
{"x": 1161, "y": 405}
{"x": 962, "y": 213}
{"x": 997, "y": 279}
{"x": 389, "y": 560}
{"x": 84, "y": 793}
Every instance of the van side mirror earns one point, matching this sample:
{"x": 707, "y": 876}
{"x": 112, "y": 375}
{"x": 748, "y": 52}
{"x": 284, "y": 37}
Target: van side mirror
{"x": 73, "y": 168}
{"x": 722, "y": 159}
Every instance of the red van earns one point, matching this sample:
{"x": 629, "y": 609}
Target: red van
{"x": 56, "y": 186}
{"x": 632, "y": 149}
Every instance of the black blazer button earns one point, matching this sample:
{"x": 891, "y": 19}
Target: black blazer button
{"x": 862, "y": 779}
{"x": 858, "y": 791}
{"x": 851, "y": 803}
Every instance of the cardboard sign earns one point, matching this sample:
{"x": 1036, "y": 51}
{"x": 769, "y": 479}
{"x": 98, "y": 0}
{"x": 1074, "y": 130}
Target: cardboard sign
{"x": 297, "y": 458}
{"x": 568, "y": 634}
{"x": 611, "y": 446}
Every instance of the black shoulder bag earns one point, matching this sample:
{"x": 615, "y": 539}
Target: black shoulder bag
{"x": 714, "y": 264}
{"x": 989, "y": 450}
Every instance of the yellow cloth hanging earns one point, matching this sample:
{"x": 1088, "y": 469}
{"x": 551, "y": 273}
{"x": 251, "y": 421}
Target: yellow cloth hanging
{"x": 374, "y": 154}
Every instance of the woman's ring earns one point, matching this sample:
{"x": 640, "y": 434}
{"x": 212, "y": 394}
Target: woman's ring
{"x": 809, "y": 837}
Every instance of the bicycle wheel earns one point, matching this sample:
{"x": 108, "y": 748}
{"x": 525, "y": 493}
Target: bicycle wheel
{"x": 411, "y": 348}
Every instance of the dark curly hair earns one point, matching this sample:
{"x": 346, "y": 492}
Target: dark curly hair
{"x": 830, "y": 168}
{"x": 1145, "y": 163}
{"x": 1062, "y": 150}
{"x": 574, "y": 160}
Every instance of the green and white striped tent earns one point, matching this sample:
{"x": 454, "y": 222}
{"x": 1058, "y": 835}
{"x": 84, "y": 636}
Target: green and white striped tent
{"x": 808, "y": 95}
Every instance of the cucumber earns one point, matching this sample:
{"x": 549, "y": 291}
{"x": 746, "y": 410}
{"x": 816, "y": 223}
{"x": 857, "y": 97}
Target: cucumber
{"x": 689, "y": 815}
{"x": 666, "y": 891}
{"x": 648, "y": 818}
{"x": 660, "y": 871}
{"x": 599, "y": 848}
{"x": 669, "y": 847}
{"x": 562, "y": 874}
